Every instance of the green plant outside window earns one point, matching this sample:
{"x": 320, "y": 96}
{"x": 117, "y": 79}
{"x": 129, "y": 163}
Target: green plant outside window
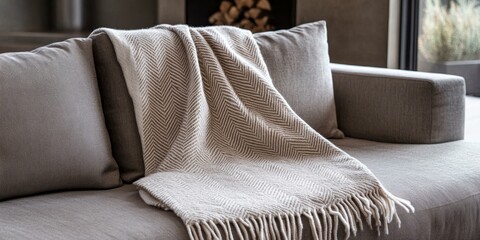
{"x": 450, "y": 32}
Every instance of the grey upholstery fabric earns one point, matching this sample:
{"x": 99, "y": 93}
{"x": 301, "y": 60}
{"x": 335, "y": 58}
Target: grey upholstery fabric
{"x": 297, "y": 60}
{"x": 398, "y": 106}
{"x": 110, "y": 214}
{"x": 442, "y": 181}
{"x": 118, "y": 110}
{"x": 53, "y": 134}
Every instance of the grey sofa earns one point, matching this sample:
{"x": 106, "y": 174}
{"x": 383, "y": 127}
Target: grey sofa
{"x": 407, "y": 127}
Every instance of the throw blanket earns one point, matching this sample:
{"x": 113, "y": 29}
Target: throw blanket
{"x": 226, "y": 153}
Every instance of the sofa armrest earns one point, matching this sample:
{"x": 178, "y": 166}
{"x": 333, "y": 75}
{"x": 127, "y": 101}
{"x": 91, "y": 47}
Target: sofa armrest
{"x": 398, "y": 106}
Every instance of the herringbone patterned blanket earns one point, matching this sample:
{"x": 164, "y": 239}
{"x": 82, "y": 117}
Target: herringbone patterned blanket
{"x": 226, "y": 153}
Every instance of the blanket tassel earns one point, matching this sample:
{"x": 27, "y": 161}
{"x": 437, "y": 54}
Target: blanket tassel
{"x": 377, "y": 208}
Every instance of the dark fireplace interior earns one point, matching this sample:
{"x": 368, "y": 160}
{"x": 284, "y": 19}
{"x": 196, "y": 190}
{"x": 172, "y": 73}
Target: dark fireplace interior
{"x": 281, "y": 15}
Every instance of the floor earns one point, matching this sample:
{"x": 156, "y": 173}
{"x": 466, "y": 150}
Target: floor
{"x": 472, "y": 119}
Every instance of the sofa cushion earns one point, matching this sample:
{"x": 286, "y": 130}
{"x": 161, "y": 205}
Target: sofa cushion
{"x": 118, "y": 213}
{"x": 51, "y": 122}
{"x": 442, "y": 181}
{"x": 118, "y": 110}
{"x": 298, "y": 62}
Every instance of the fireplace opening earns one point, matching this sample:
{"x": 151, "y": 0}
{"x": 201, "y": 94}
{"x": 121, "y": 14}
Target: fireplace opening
{"x": 254, "y": 15}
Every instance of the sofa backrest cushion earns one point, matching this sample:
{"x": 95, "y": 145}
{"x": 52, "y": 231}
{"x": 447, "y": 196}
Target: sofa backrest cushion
{"x": 53, "y": 134}
{"x": 298, "y": 62}
{"x": 118, "y": 110}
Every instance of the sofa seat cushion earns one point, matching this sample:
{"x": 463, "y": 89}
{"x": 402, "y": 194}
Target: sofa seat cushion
{"x": 442, "y": 182}
{"x": 109, "y": 214}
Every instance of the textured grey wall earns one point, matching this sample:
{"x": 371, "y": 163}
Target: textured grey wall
{"x": 171, "y": 11}
{"x": 24, "y": 15}
{"x": 35, "y": 15}
{"x": 125, "y": 14}
{"x": 357, "y": 30}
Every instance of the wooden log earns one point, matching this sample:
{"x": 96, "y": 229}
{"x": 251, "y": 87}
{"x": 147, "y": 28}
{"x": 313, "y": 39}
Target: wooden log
{"x": 244, "y": 22}
{"x": 254, "y": 12}
{"x": 264, "y": 4}
{"x": 249, "y": 3}
{"x": 234, "y": 12}
{"x": 225, "y": 6}
{"x": 228, "y": 19}
{"x": 248, "y": 14}
{"x": 215, "y": 18}
{"x": 262, "y": 22}
{"x": 258, "y": 29}
{"x": 247, "y": 24}
{"x": 240, "y": 3}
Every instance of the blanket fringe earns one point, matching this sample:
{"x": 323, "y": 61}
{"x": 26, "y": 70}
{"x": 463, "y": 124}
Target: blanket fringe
{"x": 377, "y": 208}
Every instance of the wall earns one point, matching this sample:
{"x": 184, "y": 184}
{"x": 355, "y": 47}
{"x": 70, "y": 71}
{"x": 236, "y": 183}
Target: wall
{"x": 357, "y": 30}
{"x": 125, "y": 14}
{"x": 36, "y": 15}
{"x": 171, "y": 11}
{"x": 28, "y": 15}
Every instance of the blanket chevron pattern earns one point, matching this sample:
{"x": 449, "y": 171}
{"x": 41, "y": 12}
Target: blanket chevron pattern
{"x": 226, "y": 153}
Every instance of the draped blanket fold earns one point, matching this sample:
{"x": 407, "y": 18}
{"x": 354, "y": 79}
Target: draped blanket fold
{"x": 225, "y": 152}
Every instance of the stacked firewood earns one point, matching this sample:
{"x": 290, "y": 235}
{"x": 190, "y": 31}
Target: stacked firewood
{"x": 253, "y": 15}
